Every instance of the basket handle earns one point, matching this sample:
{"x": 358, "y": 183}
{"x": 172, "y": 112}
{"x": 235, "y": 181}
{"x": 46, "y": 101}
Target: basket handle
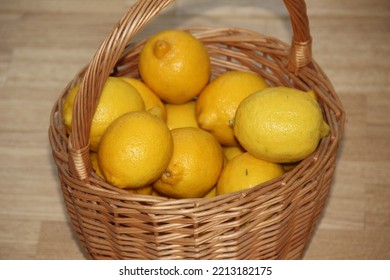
{"x": 111, "y": 50}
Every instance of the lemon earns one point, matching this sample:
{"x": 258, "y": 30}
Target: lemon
{"x": 158, "y": 112}
{"x": 156, "y": 193}
{"x": 67, "y": 108}
{"x": 211, "y": 193}
{"x": 146, "y": 190}
{"x": 181, "y": 115}
{"x": 150, "y": 99}
{"x": 195, "y": 166}
{"x": 117, "y": 98}
{"x": 95, "y": 164}
{"x": 232, "y": 152}
{"x": 218, "y": 102}
{"x": 245, "y": 171}
{"x": 135, "y": 150}
{"x": 280, "y": 124}
{"x": 175, "y": 65}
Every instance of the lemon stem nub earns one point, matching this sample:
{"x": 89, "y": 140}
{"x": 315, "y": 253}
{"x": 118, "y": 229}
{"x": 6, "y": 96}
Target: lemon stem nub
{"x": 161, "y": 47}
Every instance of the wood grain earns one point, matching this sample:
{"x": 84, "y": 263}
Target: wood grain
{"x": 45, "y": 42}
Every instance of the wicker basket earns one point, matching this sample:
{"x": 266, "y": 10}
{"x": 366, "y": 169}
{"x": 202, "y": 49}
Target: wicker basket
{"x": 274, "y": 220}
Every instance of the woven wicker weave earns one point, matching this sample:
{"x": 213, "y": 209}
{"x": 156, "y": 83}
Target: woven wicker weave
{"x": 274, "y": 220}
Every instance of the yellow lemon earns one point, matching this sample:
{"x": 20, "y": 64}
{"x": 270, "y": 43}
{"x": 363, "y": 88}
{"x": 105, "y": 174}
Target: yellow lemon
{"x": 158, "y": 112}
{"x": 195, "y": 166}
{"x": 156, "y": 193}
{"x": 135, "y": 150}
{"x": 150, "y": 99}
{"x": 95, "y": 164}
{"x": 181, "y": 115}
{"x": 218, "y": 102}
{"x": 245, "y": 171}
{"x": 232, "y": 152}
{"x": 117, "y": 98}
{"x": 146, "y": 190}
{"x": 175, "y": 65}
{"x": 280, "y": 124}
{"x": 67, "y": 108}
{"x": 211, "y": 193}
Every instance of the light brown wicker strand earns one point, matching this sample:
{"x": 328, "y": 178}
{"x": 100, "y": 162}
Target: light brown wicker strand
{"x": 299, "y": 20}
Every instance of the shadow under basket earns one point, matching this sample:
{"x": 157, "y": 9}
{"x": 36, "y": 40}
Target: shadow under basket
{"x": 274, "y": 220}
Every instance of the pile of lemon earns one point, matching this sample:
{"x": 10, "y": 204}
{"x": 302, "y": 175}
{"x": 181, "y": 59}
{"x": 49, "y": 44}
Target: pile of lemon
{"x": 176, "y": 132}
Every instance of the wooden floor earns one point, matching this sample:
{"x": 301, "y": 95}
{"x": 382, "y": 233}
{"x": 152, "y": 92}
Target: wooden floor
{"x": 43, "y": 43}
